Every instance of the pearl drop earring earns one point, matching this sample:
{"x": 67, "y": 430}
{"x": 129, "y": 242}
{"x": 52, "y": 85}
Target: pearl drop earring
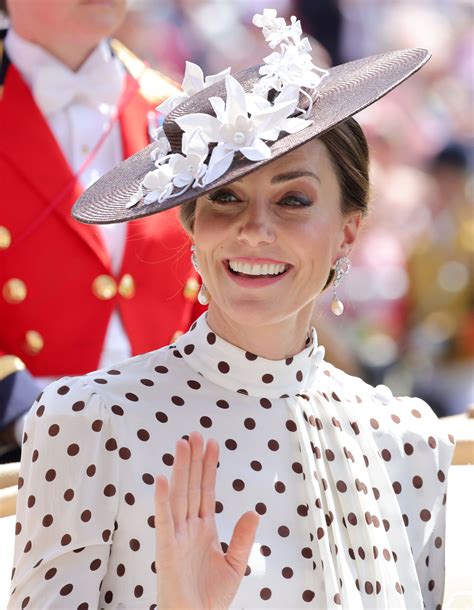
{"x": 203, "y": 295}
{"x": 341, "y": 268}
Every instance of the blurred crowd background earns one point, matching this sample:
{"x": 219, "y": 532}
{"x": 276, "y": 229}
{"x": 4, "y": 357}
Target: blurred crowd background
{"x": 409, "y": 317}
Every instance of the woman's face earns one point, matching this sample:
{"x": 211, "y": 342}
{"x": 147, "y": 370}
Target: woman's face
{"x": 265, "y": 244}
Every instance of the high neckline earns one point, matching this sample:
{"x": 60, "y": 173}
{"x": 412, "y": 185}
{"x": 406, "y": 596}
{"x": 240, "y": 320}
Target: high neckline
{"x": 239, "y": 371}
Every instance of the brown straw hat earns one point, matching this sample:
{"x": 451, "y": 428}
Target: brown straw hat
{"x": 345, "y": 90}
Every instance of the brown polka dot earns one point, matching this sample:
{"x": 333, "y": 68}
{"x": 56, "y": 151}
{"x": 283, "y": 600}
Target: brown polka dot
{"x": 255, "y": 465}
{"x": 417, "y": 482}
{"x": 31, "y": 501}
{"x": 369, "y": 588}
{"x": 63, "y": 390}
{"x": 341, "y": 486}
{"x": 219, "y": 507}
{"x": 222, "y": 404}
{"x": 267, "y": 378}
{"x": 238, "y": 484}
{"x": 425, "y": 515}
{"x": 65, "y": 540}
{"x": 302, "y": 510}
{"x": 148, "y": 478}
{"x": 47, "y": 520}
{"x": 73, "y": 449}
{"x": 397, "y": 487}
{"x": 108, "y": 597}
{"x": 211, "y": 338}
{"x": 408, "y": 448}
{"x": 441, "y": 476}
{"x": 86, "y": 516}
{"x": 308, "y": 595}
{"x": 265, "y": 550}
{"x": 168, "y": 459}
{"x": 194, "y": 385}
{"x": 415, "y": 413}
{"x": 223, "y": 367}
{"x": 297, "y": 467}
{"x": 386, "y": 455}
{"x": 120, "y": 569}
{"x": 51, "y": 573}
{"x": 438, "y": 542}
{"x": 395, "y": 418}
{"x": 283, "y": 531}
{"x": 117, "y": 409}
{"x": 50, "y": 475}
{"x": 265, "y": 403}
{"x": 130, "y": 499}
{"x": 280, "y": 487}
{"x": 374, "y": 423}
{"x": 177, "y": 400}
{"x": 95, "y": 565}
{"x": 287, "y": 572}
{"x": 351, "y": 517}
{"x": 206, "y": 422}
{"x": 291, "y": 425}
{"x": 125, "y": 453}
{"x": 25, "y": 602}
{"x": 337, "y": 599}
{"x": 134, "y": 544}
{"x": 260, "y": 508}
{"x": 132, "y": 397}
{"x": 249, "y": 423}
{"x": 53, "y": 430}
{"x": 265, "y": 593}
{"x": 273, "y": 445}
{"x": 68, "y": 494}
{"x": 355, "y": 427}
{"x": 109, "y": 490}
{"x": 230, "y": 444}
{"x": 320, "y": 533}
{"x": 97, "y": 425}
{"x": 106, "y": 535}
{"x": 138, "y": 591}
{"x": 40, "y": 411}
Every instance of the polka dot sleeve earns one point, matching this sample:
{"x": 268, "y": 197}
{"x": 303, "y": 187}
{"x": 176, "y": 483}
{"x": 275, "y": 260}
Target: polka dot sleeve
{"x": 67, "y": 501}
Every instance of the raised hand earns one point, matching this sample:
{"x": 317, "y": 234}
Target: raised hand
{"x": 192, "y": 570}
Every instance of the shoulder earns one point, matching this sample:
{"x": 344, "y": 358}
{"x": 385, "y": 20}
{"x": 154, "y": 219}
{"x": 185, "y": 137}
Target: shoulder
{"x": 155, "y": 87}
{"x": 403, "y": 422}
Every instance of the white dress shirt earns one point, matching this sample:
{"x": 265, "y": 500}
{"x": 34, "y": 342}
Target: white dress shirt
{"x": 77, "y": 127}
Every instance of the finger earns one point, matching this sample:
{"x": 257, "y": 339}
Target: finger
{"x": 241, "y": 542}
{"x": 163, "y": 518}
{"x": 195, "y": 474}
{"x": 179, "y": 483}
{"x": 209, "y": 475}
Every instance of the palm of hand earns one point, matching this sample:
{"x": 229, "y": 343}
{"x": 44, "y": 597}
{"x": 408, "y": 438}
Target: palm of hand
{"x": 192, "y": 570}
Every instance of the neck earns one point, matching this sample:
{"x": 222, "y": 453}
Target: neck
{"x": 72, "y": 54}
{"x": 274, "y": 341}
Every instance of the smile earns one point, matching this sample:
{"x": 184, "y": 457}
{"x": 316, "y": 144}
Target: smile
{"x": 257, "y": 269}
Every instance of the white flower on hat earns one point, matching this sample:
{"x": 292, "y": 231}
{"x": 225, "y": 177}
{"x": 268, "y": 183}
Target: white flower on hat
{"x": 274, "y": 28}
{"x": 162, "y": 145}
{"x": 158, "y": 183}
{"x": 193, "y": 81}
{"x": 190, "y": 166}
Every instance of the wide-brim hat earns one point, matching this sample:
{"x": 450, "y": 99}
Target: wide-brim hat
{"x": 344, "y": 91}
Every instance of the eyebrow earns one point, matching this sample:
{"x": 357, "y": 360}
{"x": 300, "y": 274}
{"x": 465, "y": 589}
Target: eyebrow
{"x": 293, "y": 175}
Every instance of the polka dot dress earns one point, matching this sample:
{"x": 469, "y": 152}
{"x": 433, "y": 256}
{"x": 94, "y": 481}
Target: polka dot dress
{"x": 349, "y": 482}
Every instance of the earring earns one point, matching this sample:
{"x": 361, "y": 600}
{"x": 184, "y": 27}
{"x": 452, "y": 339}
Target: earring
{"x": 203, "y": 295}
{"x": 341, "y": 268}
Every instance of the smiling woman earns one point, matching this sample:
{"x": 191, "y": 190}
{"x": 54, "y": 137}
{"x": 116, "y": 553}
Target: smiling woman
{"x": 343, "y": 484}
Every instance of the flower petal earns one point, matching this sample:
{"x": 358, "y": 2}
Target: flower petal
{"x": 236, "y": 104}
{"x": 258, "y": 151}
{"x": 193, "y": 80}
{"x": 220, "y": 161}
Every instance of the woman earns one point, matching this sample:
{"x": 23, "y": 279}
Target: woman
{"x": 343, "y": 484}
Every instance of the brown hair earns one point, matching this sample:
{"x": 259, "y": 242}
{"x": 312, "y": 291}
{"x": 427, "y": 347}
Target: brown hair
{"x": 349, "y": 155}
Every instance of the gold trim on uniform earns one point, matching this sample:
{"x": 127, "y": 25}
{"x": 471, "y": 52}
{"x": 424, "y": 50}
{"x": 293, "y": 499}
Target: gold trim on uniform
{"x": 34, "y": 342}
{"x": 5, "y": 238}
{"x": 10, "y": 364}
{"x": 14, "y": 291}
{"x": 191, "y": 289}
{"x": 127, "y": 286}
{"x": 104, "y": 287}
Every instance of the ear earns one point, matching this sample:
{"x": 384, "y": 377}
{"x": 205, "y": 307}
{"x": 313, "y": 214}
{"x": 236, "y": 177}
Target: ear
{"x": 350, "y": 229}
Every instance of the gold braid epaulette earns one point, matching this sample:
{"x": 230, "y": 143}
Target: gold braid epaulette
{"x": 154, "y": 86}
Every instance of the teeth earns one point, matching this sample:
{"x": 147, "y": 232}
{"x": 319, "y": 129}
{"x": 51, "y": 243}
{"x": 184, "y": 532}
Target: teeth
{"x": 257, "y": 269}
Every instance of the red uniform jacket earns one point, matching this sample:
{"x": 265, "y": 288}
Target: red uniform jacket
{"x": 57, "y": 289}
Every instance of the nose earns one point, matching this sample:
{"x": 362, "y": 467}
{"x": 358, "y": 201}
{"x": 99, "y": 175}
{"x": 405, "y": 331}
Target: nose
{"x": 256, "y": 227}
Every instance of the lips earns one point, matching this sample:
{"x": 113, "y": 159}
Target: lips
{"x": 254, "y": 269}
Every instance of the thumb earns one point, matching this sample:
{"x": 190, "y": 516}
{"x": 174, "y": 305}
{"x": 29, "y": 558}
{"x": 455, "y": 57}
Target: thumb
{"x": 241, "y": 542}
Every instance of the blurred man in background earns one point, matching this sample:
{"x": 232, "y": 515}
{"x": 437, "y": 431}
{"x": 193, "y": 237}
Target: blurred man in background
{"x": 74, "y": 297}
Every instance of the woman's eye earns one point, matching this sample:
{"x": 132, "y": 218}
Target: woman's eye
{"x": 223, "y": 196}
{"x": 294, "y": 201}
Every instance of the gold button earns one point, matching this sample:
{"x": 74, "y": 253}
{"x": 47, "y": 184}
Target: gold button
{"x": 104, "y": 287}
{"x": 14, "y": 291}
{"x": 176, "y": 335}
{"x": 5, "y": 238}
{"x": 34, "y": 342}
{"x": 191, "y": 289}
{"x": 127, "y": 286}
